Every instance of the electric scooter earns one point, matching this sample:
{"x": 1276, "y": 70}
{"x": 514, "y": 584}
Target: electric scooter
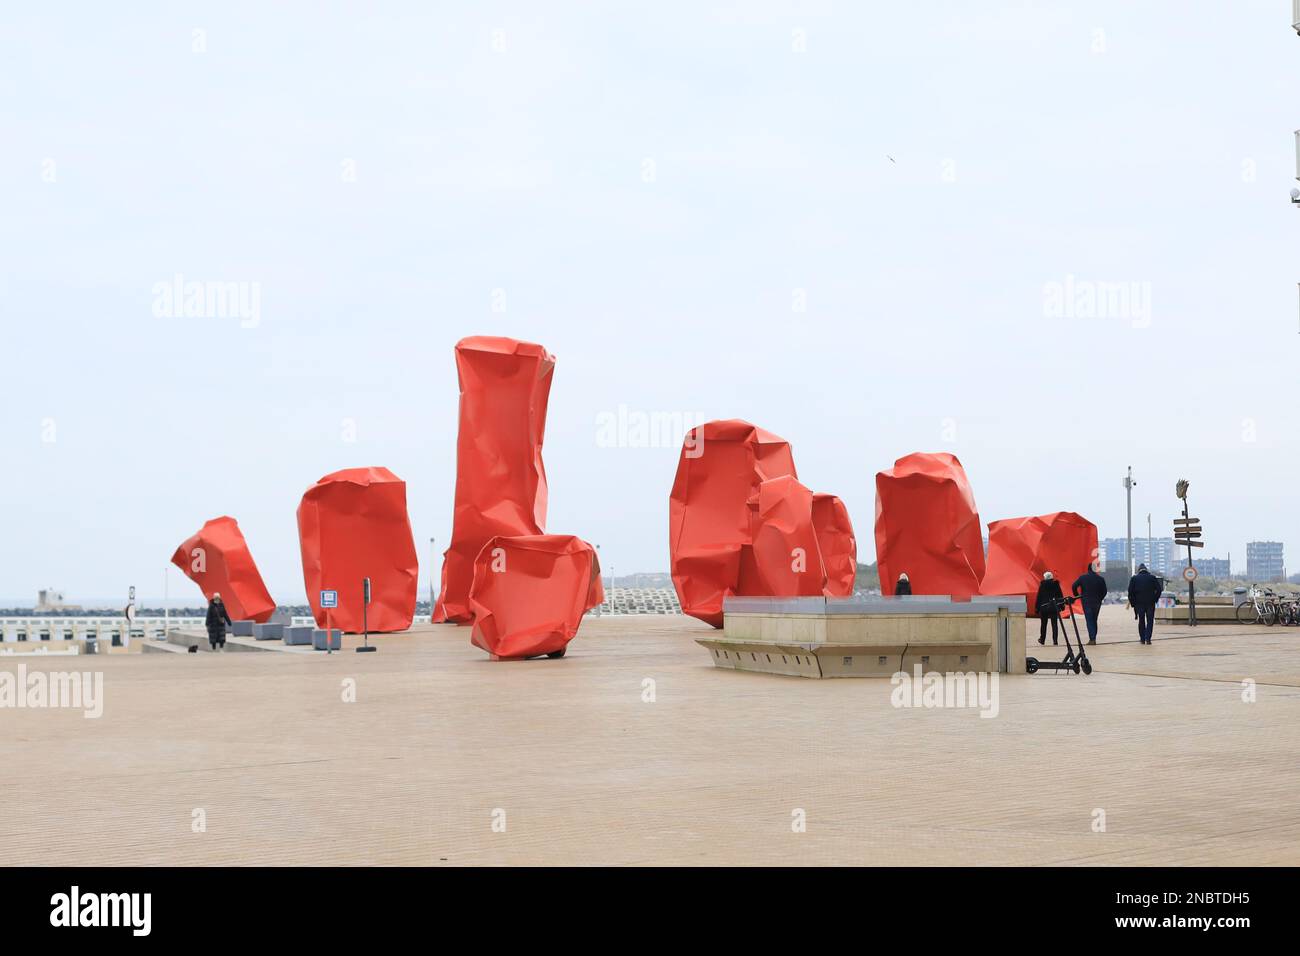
{"x": 1073, "y": 663}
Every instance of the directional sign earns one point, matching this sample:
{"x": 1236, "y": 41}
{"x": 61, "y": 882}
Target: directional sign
{"x": 1190, "y": 544}
{"x": 1187, "y": 521}
{"x": 1187, "y": 532}
{"x": 329, "y": 598}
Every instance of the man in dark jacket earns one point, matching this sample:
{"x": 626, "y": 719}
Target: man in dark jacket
{"x": 903, "y": 585}
{"x": 1143, "y": 592}
{"x": 218, "y": 618}
{"x": 1049, "y": 593}
{"x": 1090, "y": 587}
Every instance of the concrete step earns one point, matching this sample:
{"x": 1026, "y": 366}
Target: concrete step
{"x": 184, "y": 639}
{"x": 162, "y": 647}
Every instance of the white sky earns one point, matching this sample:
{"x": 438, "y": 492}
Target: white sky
{"x": 523, "y": 170}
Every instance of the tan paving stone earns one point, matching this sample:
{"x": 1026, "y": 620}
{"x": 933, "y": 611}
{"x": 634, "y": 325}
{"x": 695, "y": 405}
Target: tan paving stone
{"x": 709, "y": 773}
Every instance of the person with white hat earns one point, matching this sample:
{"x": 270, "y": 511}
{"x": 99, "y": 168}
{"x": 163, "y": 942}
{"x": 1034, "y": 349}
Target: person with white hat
{"x": 1048, "y": 604}
{"x": 217, "y": 619}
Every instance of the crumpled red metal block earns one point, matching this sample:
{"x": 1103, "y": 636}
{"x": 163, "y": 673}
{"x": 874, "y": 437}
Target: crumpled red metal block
{"x": 740, "y": 522}
{"x": 217, "y": 559}
{"x": 530, "y": 592}
{"x": 500, "y": 478}
{"x": 927, "y": 525}
{"x": 1021, "y": 549}
{"x": 782, "y": 556}
{"x": 353, "y": 524}
{"x": 837, "y": 543}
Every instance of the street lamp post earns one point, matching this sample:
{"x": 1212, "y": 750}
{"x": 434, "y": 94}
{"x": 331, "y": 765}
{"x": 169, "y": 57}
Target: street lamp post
{"x": 1128, "y": 488}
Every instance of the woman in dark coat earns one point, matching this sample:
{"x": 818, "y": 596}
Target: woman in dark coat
{"x": 1049, "y": 592}
{"x": 903, "y": 585}
{"x": 218, "y": 618}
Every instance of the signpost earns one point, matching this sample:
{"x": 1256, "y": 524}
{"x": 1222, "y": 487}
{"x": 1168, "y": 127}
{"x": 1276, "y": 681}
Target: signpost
{"x": 1186, "y": 530}
{"x": 328, "y": 599}
{"x": 365, "y": 618}
{"x": 130, "y": 617}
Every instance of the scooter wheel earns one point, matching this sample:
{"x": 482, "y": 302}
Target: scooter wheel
{"x": 1031, "y": 665}
{"x": 1087, "y": 667}
{"x": 555, "y": 655}
{"x": 1076, "y": 667}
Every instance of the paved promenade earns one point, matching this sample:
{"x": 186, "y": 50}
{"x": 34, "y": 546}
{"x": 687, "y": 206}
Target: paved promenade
{"x": 635, "y": 750}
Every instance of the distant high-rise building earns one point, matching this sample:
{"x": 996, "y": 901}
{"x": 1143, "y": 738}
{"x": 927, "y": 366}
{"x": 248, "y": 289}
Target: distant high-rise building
{"x": 1216, "y": 568}
{"x": 1264, "y": 561}
{"x": 1160, "y": 555}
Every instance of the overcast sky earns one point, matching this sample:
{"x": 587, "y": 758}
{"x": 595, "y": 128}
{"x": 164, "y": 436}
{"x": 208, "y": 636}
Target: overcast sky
{"x": 692, "y": 206}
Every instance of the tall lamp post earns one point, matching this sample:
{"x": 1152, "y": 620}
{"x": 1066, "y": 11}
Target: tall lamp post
{"x": 1128, "y": 489}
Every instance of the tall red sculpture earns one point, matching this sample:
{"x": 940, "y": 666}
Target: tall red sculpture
{"x": 530, "y": 593}
{"x": 500, "y": 478}
{"x": 740, "y": 522}
{"x": 352, "y": 524}
{"x": 1021, "y": 549}
{"x": 927, "y": 525}
{"x": 217, "y": 559}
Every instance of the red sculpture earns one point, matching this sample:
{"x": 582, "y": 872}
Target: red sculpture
{"x": 217, "y": 559}
{"x": 1021, "y": 549}
{"x": 837, "y": 543}
{"x": 927, "y": 526}
{"x": 352, "y": 524}
{"x": 530, "y": 592}
{"x": 782, "y": 556}
{"x": 741, "y": 523}
{"x": 500, "y": 478}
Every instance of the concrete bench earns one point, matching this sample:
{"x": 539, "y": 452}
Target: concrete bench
{"x": 331, "y": 640}
{"x": 300, "y": 635}
{"x": 242, "y": 628}
{"x": 268, "y": 632}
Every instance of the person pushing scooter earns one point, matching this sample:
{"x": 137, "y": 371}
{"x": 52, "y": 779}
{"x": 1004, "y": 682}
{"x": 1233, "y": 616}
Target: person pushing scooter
{"x": 1090, "y": 588}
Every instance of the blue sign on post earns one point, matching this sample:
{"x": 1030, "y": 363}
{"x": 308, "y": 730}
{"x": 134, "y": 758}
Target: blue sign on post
{"x": 329, "y": 598}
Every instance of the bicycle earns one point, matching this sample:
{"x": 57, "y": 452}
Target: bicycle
{"x": 1260, "y": 608}
{"x": 1288, "y": 612}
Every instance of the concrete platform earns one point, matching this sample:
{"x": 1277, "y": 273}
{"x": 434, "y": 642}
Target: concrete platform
{"x": 635, "y": 749}
{"x": 822, "y": 637}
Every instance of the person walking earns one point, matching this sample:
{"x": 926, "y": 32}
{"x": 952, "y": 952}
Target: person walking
{"x": 218, "y": 618}
{"x": 903, "y": 585}
{"x": 1143, "y": 592}
{"x": 1046, "y": 602}
{"x": 1090, "y": 588}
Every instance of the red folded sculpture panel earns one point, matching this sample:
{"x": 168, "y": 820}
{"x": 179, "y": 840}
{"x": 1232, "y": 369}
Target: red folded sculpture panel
{"x": 927, "y": 525}
{"x": 1021, "y": 549}
{"x": 530, "y": 592}
{"x": 740, "y": 522}
{"x": 217, "y": 559}
{"x": 352, "y": 524}
{"x": 837, "y": 543}
{"x": 500, "y": 478}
